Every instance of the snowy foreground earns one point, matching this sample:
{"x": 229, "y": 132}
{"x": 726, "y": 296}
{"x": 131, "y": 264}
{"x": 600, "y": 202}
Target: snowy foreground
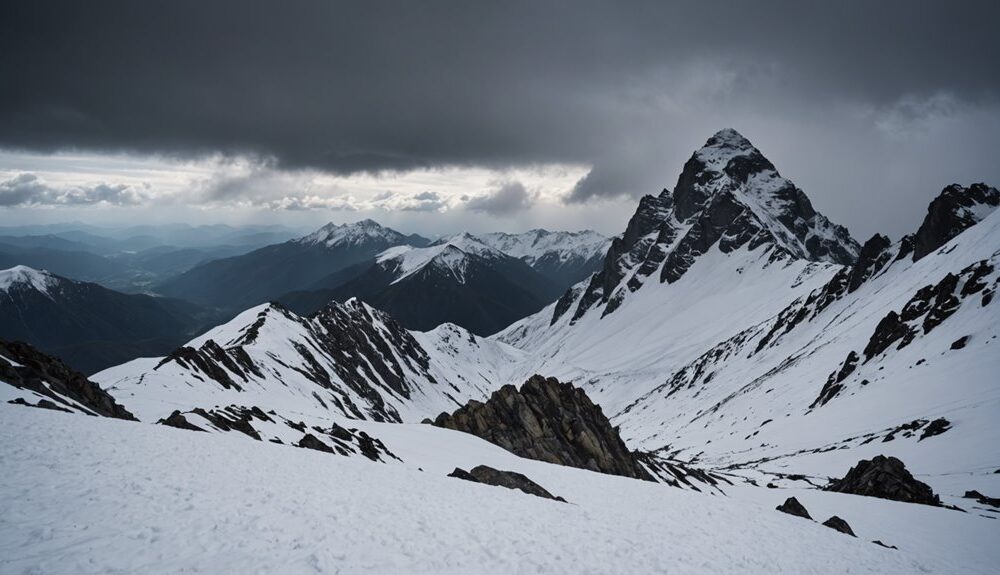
{"x": 87, "y": 495}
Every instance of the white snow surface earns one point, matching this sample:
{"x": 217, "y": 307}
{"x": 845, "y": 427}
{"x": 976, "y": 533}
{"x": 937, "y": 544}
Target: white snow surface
{"x": 92, "y": 495}
{"x": 27, "y": 278}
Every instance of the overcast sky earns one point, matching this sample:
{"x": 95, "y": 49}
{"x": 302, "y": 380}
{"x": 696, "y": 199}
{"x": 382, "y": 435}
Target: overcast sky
{"x": 440, "y": 116}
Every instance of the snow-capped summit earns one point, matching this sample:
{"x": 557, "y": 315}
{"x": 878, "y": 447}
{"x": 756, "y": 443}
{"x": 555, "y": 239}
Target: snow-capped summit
{"x": 353, "y": 234}
{"x": 729, "y": 198}
{"x": 24, "y": 277}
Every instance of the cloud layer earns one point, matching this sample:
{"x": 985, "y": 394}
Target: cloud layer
{"x": 629, "y": 89}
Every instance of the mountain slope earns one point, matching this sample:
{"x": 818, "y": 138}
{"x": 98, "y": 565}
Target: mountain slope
{"x": 459, "y": 280}
{"x": 564, "y": 257}
{"x": 347, "y": 361}
{"x": 263, "y": 275}
{"x": 89, "y": 326}
{"x": 770, "y": 368}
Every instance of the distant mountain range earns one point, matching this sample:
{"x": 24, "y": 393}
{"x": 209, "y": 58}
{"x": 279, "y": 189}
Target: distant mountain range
{"x": 463, "y": 279}
{"x": 89, "y": 326}
{"x": 267, "y": 273}
{"x": 459, "y": 280}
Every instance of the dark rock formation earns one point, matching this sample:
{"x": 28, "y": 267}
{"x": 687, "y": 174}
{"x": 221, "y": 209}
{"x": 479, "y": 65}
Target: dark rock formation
{"x": 309, "y": 441}
{"x": 840, "y": 525}
{"x": 548, "y": 421}
{"x": 873, "y": 257}
{"x": 508, "y": 479}
{"x": 979, "y": 497}
{"x": 177, "y": 419}
{"x": 879, "y": 543}
{"x": 950, "y": 214}
{"x": 886, "y": 478}
{"x": 792, "y": 506}
{"x": 50, "y": 377}
{"x": 936, "y": 427}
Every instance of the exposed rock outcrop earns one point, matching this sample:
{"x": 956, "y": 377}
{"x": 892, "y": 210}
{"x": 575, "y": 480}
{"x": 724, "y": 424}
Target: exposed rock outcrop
{"x": 508, "y": 479}
{"x": 792, "y": 506}
{"x": 24, "y": 367}
{"x": 954, "y": 210}
{"x": 886, "y": 478}
{"x": 840, "y": 525}
{"x": 548, "y": 421}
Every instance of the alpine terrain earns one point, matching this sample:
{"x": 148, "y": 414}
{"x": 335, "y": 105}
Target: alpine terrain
{"x": 737, "y": 386}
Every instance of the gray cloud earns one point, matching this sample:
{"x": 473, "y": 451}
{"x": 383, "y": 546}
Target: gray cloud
{"x": 629, "y": 89}
{"x": 507, "y": 199}
{"x": 422, "y": 202}
{"x": 28, "y": 190}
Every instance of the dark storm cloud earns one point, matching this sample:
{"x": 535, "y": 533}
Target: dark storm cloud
{"x": 367, "y": 86}
{"x": 29, "y": 190}
{"x": 509, "y": 198}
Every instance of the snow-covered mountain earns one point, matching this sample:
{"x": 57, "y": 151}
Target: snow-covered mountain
{"x": 564, "y": 257}
{"x": 358, "y": 234}
{"x": 734, "y": 326}
{"x": 347, "y": 361}
{"x": 87, "y": 325}
{"x": 263, "y": 275}
{"x": 458, "y": 279}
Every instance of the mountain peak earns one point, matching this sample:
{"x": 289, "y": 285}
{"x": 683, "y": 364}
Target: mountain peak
{"x": 26, "y": 276}
{"x": 355, "y": 233}
{"x": 728, "y": 197}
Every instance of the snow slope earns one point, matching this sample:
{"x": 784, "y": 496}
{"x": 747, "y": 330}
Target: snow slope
{"x": 348, "y": 361}
{"x": 222, "y": 505}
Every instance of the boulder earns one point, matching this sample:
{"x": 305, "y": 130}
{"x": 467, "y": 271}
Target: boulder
{"x": 886, "y": 478}
{"x": 840, "y": 525}
{"x": 508, "y": 479}
{"x": 548, "y": 421}
{"x": 792, "y": 506}
{"x": 309, "y": 441}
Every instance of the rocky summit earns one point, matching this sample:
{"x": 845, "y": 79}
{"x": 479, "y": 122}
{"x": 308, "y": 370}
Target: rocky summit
{"x": 886, "y": 478}
{"x": 549, "y": 421}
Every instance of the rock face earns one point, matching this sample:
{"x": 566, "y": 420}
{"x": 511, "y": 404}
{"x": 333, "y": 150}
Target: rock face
{"x": 792, "y": 506}
{"x": 548, "y": 421}
{"x": 956, "y": 209}
{"x": 508, "y": 479}
{"x": 886, "y": 478}
{"x": 43, "y": 376}
{"x": 840, "y": 525}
